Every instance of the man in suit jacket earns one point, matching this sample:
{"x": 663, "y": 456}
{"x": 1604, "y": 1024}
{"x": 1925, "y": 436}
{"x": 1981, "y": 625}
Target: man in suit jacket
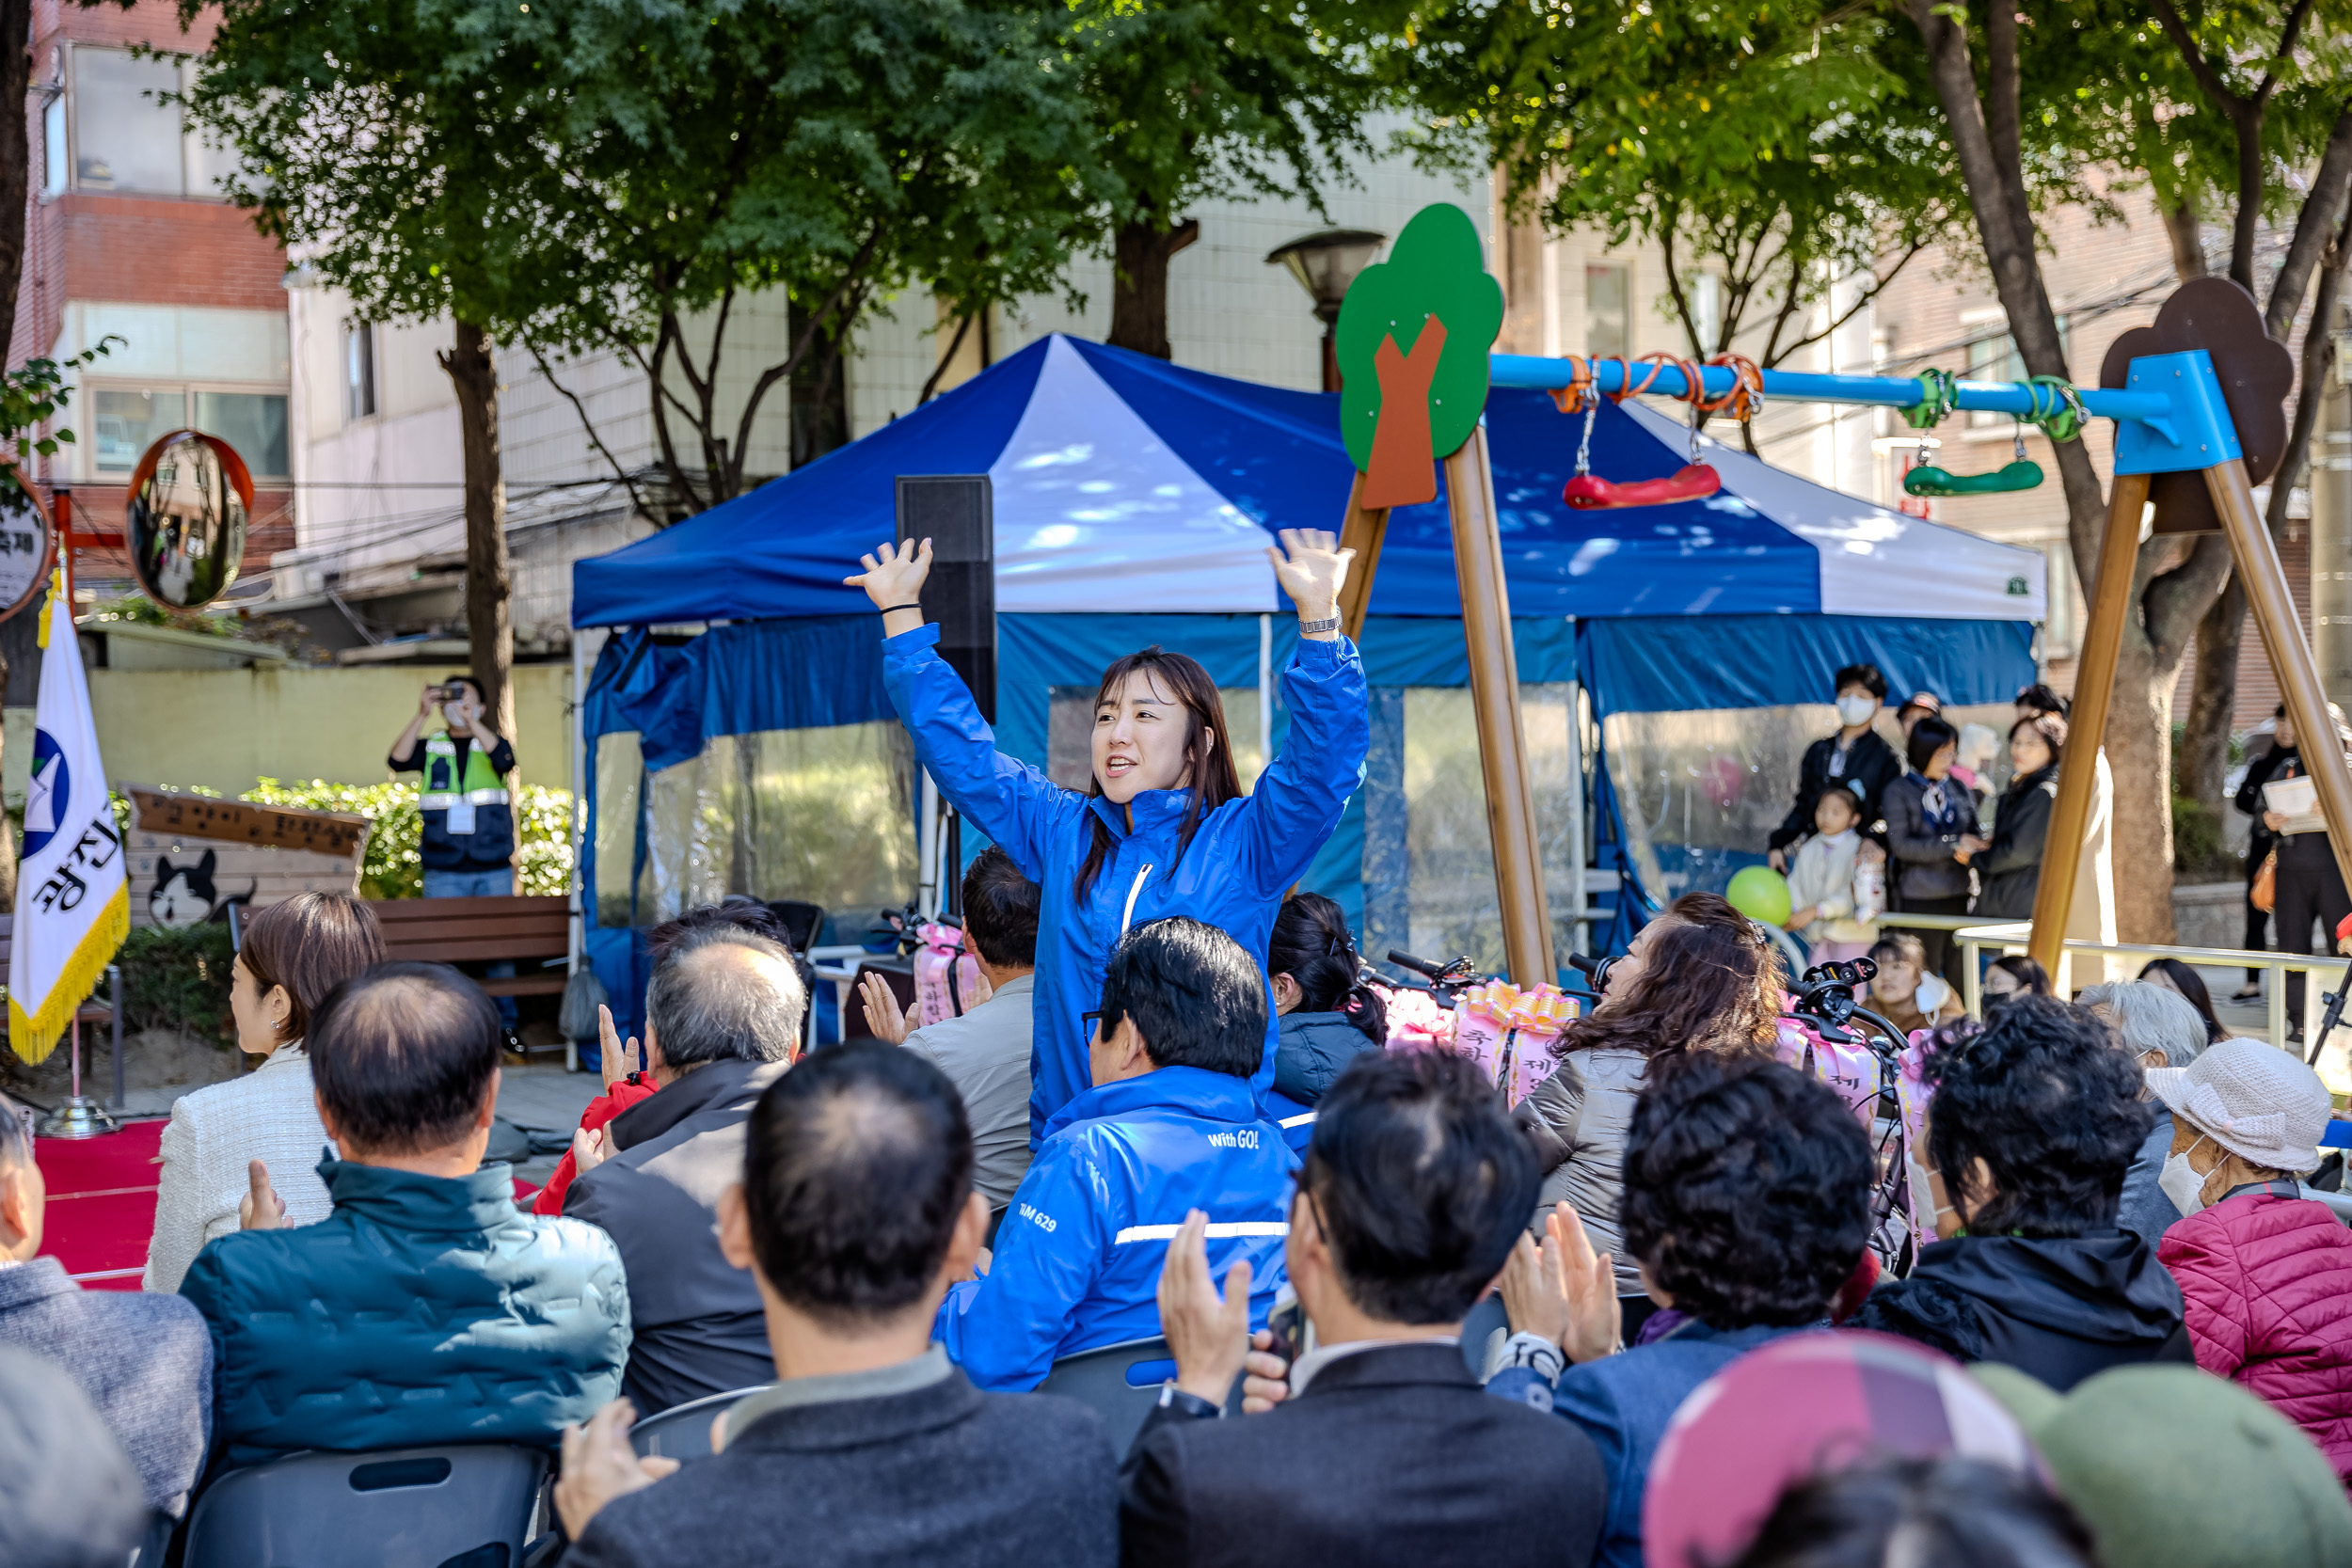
{"x": 854, "y": 1212}
{"x": 1382, "y": 1449}
{"x": 146, "y": 1361}
{"x": 723, "y": 1021}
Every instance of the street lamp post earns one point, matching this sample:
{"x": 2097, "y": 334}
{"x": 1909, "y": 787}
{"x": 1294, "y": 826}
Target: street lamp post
{"x": 1325, "y": 264}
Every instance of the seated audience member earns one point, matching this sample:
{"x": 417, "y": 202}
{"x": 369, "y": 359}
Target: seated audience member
{"x": 1697, "y": 978}
{"x": 1170, "y": 1126}
{"x": 2171, "y": 1468}
{"x": 2013, "y": 974}
{"x": 2159, "y": 1028}
{"x": 68, "y": 1496}
{"x": 1921, "y": 1513}
{"x": 2035, "y": 1121}
{"x": 985, "y": 1052}
{"x": 2266, "y": 1272}
{"x": 144, "y": 1360}
{"x": 291, "y": 955}
{"x": 426, "y": 1309}
{"x": 1747, "y": 1203}
{"x": 626, "y": 1080}
{"x": 1329, "y": 1015}
{"x": 1903, "y": 993}
{"x": 2178, "y": 977}
{"x": 723, "y": 1021}
{"x": 1414, "y": 1190}
{"x": 854, "y": 1212}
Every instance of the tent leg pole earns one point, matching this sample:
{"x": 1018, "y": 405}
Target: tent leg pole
{"x": 2272, "y": 605}
{"x": 1494, "y": 681}
{"x": 2094, "y": 689}
{"x": 1361, "y": 528}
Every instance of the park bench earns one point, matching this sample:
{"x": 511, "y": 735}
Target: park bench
{"x": 527, "y": 931}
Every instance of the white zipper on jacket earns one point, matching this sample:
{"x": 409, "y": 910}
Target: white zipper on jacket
{"x": 1127, "y": 916}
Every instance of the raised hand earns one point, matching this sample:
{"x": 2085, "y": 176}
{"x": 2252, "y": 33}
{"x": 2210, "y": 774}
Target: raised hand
{"x": 1564, "y": 1291}
{"x": 599, "y": 1465}
{"x": 884, "y": 1020}
{"x": 1311, "y": 568}
{"x": 1208, "y": 1333}
{"x": 894, "y": 576}
{"x": 616, "y": 1061}
{"x": 261, "y": 1208}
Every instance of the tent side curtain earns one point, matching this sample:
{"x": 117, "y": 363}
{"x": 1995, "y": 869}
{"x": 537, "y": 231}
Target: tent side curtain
{"x": 781, "y": 674}
{"x": 1683, "y": 662}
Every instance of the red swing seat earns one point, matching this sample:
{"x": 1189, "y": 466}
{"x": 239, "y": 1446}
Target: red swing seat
{"x": 1691, "y": 482}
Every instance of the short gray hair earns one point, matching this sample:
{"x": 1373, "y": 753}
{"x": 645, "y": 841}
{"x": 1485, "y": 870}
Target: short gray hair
{"x": 2150, "y": 1017}
{"x": 724, "y": 995}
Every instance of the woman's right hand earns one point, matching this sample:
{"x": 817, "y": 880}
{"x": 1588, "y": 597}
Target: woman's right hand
{"x": 894, "y": 577}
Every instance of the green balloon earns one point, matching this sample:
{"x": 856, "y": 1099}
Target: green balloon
{"x": 1437, "y": 267}
{"x": 1761, "y": 893}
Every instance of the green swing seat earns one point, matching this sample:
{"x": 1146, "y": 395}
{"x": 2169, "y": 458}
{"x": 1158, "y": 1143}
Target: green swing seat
{"x": 1928, "y": 479}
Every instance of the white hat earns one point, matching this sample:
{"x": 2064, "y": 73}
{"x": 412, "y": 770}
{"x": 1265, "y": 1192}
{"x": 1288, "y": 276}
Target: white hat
{"x": 2253, "y": 1099}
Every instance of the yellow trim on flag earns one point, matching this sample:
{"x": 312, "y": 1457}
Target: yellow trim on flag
{"x": 33, "y": 1035}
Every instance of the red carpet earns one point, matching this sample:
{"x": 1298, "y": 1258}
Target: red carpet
{"x": 102, "y": 1203}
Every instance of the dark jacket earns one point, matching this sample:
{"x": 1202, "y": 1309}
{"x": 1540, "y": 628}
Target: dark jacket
{"x": 944, "y": 1476}
{"x": 1921, "y": 851}
{"x": 423, "y": 1310}
{"x": 2145, "y": 1212}
{"x": 2304, "y": 851}
{"x": 2011, "y": 870}
{"x": 697, "y": 1322}
{"x": 2059, "y": 1308}
{"x": 491, "y": 845}
{"x": 1390, "y": 1455}
{"x": 1312, "y": 1050}
{"x": 145, "y": 1361}
{"x": 1870, "y": 761}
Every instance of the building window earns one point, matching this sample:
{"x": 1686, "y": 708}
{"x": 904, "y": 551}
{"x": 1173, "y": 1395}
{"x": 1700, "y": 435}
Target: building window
{"x": 128, "y": 421}
{"x": 124, "y": 135}
{"x": 54, "y": 169}
{"x": 1607, "y": 312}
{"x": 358, "y": 369}
{"x": 1995, "y": 357}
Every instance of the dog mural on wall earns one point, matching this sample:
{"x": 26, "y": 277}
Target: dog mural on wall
{"x": 184, "y": 896}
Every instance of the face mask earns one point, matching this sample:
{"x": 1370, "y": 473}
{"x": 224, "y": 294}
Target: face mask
{"x": 2183, "y": 1184}
{"x": 1857, "y": 710}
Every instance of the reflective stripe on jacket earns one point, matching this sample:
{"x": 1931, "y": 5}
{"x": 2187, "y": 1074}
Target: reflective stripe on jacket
{"x": 1244, "y": 857}
{"x": 478, "y": 784}
{"x": 1078, "y": 1255}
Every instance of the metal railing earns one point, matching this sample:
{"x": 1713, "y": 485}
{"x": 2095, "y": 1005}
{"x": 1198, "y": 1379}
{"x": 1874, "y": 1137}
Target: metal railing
{"x": 1977, "y": 935}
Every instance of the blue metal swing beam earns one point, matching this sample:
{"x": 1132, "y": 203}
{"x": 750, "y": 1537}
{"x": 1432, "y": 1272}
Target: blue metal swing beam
{"x": 2170, "y": 420}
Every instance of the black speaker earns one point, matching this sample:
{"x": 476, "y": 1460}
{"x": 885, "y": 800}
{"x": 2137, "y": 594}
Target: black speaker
{"x": 957, "y": 513}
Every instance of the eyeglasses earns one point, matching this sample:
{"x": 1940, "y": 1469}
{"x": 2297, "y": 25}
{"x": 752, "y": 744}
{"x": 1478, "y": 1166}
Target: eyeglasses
{"x": 1090, "y": 1019}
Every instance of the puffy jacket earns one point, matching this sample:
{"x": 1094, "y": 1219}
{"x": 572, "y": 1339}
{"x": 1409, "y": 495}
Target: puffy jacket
{"x": 1244, "y": 856}
{"x": 1922, "y": 849}
{"x": 2060, "y": 1307}
{"x": 2268, "y": 1283}
{"x": 425, "y": 1309}
{"x": 1577, "y": 1119}
{"x": 1313, "y": 1049}
{"x": 1078, "y": 1255}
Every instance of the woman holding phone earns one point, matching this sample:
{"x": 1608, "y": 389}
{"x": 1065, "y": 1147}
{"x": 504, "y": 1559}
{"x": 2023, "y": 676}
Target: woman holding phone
{"x": 1163, "y": 827}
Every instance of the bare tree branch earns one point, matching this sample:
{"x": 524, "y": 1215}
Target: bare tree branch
{"x": 955, "y": 344}
{"x": 636, "y": 496}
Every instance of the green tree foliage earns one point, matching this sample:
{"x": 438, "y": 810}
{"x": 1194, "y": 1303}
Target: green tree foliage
{"x": 1777, "y": 146}
{"x": 390, "y": 867}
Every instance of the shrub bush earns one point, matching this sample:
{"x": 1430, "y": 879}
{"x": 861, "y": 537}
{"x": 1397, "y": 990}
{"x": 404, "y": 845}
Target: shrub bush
{"x": 392, "y": 867}
{"x": 179, "y": 980}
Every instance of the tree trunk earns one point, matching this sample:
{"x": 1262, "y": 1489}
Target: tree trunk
{"x": 2139, "y": 753}
{"x": 16, "y": 171}
{"x": 820, "y": 394}
{"x": 489, "y": 623}
{"x": 2212, "y": 698}
{"x": 2184, "y": 227}
{"x": 1139, "y": 258}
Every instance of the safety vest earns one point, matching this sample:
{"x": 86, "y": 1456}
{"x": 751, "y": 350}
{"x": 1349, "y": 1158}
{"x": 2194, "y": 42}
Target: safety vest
{"x": 444, "y": 790}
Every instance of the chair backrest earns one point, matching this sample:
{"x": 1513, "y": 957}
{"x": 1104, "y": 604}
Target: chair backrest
{"x": 803, "y": 922}
{"x": 683, "y": 1430}
{"x": 463, "y": 1506}
{"x": 1120, "y": 1384}
{"x": 1483, "y": 1333}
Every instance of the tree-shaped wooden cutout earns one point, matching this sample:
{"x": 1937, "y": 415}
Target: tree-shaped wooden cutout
{"x": 1413, "y": 338}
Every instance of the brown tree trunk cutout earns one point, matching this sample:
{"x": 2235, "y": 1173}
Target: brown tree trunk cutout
{"x": 1403, "y": 469}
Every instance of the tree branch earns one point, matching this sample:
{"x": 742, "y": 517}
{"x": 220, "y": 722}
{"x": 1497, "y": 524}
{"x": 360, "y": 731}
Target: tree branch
{"x": 1879, "y": 282}
{"x": 955, "y": 344}
{"x": 2331, "y": 184}
{"x": 773, "y": 373}
{"x": 2296, "y": 19}
{"x": 636, "y": 497}
{"x": 2208, "y": 79}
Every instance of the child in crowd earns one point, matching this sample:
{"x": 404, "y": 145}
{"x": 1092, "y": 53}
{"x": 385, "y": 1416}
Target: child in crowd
{"x": 1903, "y": 993}
{"x": 1836, "y": 887}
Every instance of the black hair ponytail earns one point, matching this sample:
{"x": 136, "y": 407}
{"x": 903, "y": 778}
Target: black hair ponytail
{"x": 1313, "y": 945}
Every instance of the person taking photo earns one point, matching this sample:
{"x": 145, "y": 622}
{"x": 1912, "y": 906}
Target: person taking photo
{"x": 1163, "y": 827}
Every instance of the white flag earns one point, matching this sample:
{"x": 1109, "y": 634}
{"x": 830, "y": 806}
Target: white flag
{"x": 72, "y": 895}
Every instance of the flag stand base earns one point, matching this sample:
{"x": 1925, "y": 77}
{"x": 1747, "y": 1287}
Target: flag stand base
{"x": 78, "y": 1117}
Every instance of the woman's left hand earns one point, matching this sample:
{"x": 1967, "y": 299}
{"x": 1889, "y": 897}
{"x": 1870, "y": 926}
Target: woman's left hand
{"x": 1314, "y": 573}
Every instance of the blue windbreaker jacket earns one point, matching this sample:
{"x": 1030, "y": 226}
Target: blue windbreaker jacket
{"x": 1244, "y": 857}
{"x": 1078, "y": 1256}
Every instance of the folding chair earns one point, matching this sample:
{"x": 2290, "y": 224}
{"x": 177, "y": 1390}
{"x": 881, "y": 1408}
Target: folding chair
{"x": 461, "y": 1506}
{"x": 683, "y": 1430}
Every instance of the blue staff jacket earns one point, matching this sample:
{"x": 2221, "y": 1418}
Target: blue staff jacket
{"x": 1078, "y": 1255}
{"x": 1244, "y": 857}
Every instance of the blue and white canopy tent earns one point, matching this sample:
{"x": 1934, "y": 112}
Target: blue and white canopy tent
{"x": 1133, "y": 502}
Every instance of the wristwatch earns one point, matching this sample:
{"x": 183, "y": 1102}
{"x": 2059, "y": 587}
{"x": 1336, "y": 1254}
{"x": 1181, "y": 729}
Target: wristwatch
{"x": 1317, "y": 629}
{"x": 1173, "y": 1398}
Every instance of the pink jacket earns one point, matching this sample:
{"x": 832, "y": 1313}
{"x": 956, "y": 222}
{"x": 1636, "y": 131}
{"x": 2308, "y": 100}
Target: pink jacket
{"x": 2268, "y": 1280}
